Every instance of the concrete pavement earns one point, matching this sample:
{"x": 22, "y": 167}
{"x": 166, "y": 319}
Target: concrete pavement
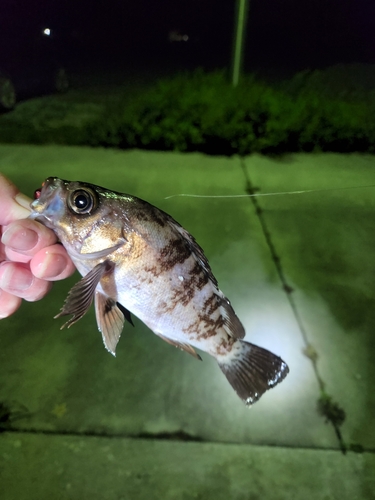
{"x": 66, "y": 383}
{"x": 100, "y": 468}
{"x": 327, "y": 257}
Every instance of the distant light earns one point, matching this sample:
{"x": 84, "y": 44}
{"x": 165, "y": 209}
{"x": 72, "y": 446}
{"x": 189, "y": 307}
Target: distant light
{"x": 176, "y": 36}
{"x": 47, "y": 32}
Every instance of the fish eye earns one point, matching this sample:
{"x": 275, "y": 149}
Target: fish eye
{"x": 82, "y": 201}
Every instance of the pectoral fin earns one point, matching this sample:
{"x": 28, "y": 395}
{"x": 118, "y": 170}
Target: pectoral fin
{"x": 180, "y": 345}
{"x": 80, "y": 297}
{"x": 110, "y": 320}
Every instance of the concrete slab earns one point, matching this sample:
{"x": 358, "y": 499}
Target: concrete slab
{"x": 69, "y": 383}
{"x": 326, "y": 243}
{"x": 38, "y": 467}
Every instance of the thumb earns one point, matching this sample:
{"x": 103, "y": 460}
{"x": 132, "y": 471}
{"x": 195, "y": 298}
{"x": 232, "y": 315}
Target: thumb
{"x": 13, "y": 204}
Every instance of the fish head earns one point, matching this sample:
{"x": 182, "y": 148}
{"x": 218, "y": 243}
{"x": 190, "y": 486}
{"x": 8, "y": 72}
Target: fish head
{"x": 82, "y": 216}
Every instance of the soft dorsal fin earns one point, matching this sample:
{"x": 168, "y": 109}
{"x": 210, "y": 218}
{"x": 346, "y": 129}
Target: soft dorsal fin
{"x": 184, "y": 347}
{"x": 80, "y": 297}
{"x": 232, "y": 324}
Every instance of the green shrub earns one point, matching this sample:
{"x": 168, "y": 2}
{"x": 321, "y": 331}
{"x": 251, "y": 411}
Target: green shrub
{"x": 203, "y": 112}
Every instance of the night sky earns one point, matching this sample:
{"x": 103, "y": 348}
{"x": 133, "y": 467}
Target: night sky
{"x": 291, "y": 34}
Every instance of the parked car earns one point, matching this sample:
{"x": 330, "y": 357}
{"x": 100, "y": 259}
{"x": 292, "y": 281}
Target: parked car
{"x": 29, "y": 64}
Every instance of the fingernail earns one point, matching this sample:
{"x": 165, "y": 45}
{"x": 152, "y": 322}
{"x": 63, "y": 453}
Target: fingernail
{"x": 23, "y": 200}
{"x": 15, "y": 280}
{"x": 19, "y": 239}
{"x": 52, "y": 266}
{"x": 3, "y": 313}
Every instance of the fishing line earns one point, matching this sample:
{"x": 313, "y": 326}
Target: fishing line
{"x": 258, "y": 195}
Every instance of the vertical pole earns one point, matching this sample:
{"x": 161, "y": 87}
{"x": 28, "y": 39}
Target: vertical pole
{"x": 239, "y": 38}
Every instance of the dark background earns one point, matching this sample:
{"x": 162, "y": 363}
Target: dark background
{"x": 282, "y": 36}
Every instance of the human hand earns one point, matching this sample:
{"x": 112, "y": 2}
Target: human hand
{"x": 30, "y": 259}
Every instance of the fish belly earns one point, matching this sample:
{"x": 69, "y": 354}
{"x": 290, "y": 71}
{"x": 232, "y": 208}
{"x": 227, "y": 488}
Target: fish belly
{"x": 181, "y": 304}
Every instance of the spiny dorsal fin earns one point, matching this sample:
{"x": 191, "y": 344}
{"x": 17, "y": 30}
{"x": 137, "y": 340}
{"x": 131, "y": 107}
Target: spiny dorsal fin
{"x": 195, "y": 249}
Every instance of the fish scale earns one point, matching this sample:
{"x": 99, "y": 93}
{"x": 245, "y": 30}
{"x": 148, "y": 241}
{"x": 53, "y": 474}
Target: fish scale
{"x": 135, "y": 258}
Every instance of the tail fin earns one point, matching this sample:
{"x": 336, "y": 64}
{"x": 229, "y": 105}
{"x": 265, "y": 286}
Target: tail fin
{"x": 252, "y": 370}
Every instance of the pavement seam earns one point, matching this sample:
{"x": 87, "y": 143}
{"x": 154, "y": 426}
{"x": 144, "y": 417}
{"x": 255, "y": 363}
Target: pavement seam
{"x": 170, "y": 438}
{"x": 326, "y": 405}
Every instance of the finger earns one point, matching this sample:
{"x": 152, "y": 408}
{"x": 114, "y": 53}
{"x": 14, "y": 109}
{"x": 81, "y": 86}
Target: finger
{"x": 25, "y": 238}
{"x": 13, "y": 204}
{"x": 52, "y": 263}
{"x": 8, "y": 304}
{"x": 18, "y": 280}
{"x": 2, "y": 249}
{"x": 15, "y": 256}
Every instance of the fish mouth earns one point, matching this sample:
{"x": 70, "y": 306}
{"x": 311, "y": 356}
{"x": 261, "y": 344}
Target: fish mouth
{"x": 48, "y": 186}
{"x": 48, "y": 202}
{"x": 42, "y": 219}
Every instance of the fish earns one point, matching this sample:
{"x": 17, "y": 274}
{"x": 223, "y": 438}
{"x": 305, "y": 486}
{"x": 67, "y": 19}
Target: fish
{"x": 136, "y": 259}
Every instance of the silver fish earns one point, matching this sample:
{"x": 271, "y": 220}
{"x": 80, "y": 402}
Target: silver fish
{"x": 135, "y": 258}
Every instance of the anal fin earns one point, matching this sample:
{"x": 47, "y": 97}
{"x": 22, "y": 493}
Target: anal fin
{"x": 184, "y": 347}
{"x": 110, "y": 320}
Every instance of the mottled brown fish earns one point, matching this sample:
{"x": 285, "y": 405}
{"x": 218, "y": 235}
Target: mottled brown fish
{"x": 135, "y": 258}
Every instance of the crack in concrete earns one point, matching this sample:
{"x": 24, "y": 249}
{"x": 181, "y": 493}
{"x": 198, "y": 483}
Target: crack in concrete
{"x": 161, "y": 436}
{"x": 326, "y": 406}
{"x": 175, "y": 437}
